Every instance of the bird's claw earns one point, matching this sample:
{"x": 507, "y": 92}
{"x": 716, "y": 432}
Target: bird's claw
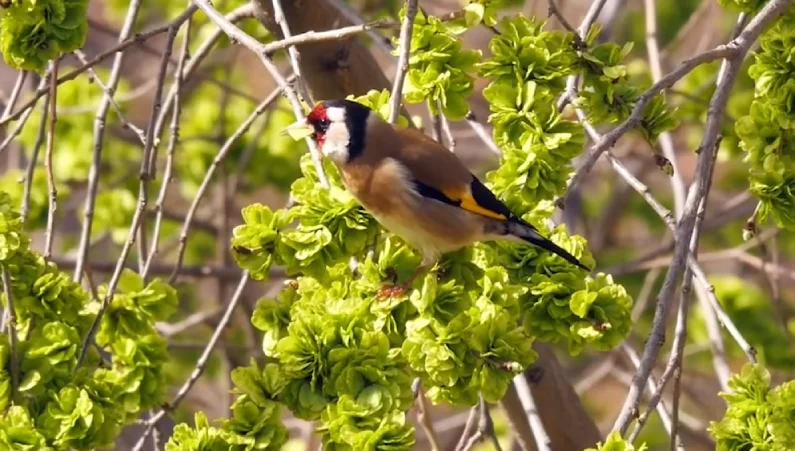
{"x": 392, "y": 291}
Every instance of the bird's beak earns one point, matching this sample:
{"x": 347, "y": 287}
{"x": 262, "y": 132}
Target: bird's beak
{"x": 299, "y": 130}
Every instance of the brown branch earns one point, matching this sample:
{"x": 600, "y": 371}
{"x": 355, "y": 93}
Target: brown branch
{"x": 99, "y": 137}
{"x": 403, "y": 60}
{"x": 142, "y": 191}
{"x": 684, "y": 229}
{"x": 11, "y": 314}
{"x": 172, "y": 145}
{"x": 15, "y": 91}
{"x": 208, "y": 176}
{"x": 52, "y": 192}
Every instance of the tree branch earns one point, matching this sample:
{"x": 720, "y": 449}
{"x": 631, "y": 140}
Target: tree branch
{"x": 403, "y": 61}
{"x": 684, "y": 230}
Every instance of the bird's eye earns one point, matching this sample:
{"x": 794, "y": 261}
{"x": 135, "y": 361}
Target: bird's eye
{"x": 324, "y": 123}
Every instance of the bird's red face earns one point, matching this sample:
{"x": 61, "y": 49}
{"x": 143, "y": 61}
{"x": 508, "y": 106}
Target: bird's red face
{"x": 319, "y": 120}
{"x": 338, "y": 127}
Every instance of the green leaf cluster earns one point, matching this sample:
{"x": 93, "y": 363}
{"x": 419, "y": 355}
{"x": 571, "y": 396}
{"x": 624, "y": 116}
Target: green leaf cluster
{"x": 440, "y": 69}
{"x": 757, "y": 416}
{"x": 58, "y": 405}
{"x": 480, "y": 11}
{"x": 767, "y": 133}
{"x": 33, "y": 32}
{"x": 528, "y": 72}
{"x": 255, "y": 422}
{"x": 332, "y": 227}
{"x": 609, "y": 97}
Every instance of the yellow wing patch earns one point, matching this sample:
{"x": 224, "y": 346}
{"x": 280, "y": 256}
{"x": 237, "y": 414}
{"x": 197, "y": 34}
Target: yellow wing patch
{"x": 464, "y": 197}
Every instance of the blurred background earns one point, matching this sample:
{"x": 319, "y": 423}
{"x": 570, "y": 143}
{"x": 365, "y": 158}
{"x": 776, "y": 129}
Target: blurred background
{"x": 753, "y": 280}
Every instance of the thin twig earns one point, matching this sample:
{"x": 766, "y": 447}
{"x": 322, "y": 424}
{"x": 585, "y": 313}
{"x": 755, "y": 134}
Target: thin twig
{"x": 470, "y": 423}
{"x": 208, "y": 176}
{"x": 26, "y": 111}
{"x": 201, "y": 363}
{"x": 172, "y": 145}
{"x": 328, "y": 35}
{"x": 403, "y": 60}
{"x": 248, "y": 152}
{"x": 99, "y": 139}
{"x": 295, "y": 58}
{"x": 426, "y": 422}
{"x": 734, "y": 50}
{"x": 448, "y": 133}
{"x": 15, "y": 91}
{"x": 675, "y": 361}
{"x": 382, "y": 42}
{"x": 11, "y": 314}
{"x": 554, "y": 11}
{"x": 150, "y": 148}
{"x": 168, "y": 330}
{"x": 662, "y": 411}
{"x": 34, "y": 159}
{"x": 51, "y": 189}
{"x": 543, "y": 442}
{"x": 481, "y": 132}
{"x": 196, "y": 271}
{"x": 191, "y": 66}
{"x": 570, "y": 93}
{"x": 252, "y": 44}
{"x": 665, "y": 139}
{"x": 106, "y": 90}
{"x": 143, "y": 184}
{"x": 486, "y": 424}
{"x": 118, "y": 49}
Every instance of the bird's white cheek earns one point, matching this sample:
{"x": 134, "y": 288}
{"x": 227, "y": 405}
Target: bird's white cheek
{"x": 335, "y": 151}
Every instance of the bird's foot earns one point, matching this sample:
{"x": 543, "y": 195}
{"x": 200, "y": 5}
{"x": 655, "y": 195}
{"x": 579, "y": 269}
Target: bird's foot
{"x": 392, "y": 291}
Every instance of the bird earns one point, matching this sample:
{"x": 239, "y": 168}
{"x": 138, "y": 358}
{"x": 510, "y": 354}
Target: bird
{"x": 413, "y": 186}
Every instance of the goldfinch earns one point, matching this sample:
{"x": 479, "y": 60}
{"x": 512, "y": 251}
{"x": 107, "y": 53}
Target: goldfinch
{"x": 413, "y": 186}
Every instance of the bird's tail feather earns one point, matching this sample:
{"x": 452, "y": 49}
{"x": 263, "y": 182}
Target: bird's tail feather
{"x": 529, "y": 234}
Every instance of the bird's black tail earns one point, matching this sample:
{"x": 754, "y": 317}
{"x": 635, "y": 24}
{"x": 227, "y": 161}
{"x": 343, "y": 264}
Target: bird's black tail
{"x": 528, "y": 233}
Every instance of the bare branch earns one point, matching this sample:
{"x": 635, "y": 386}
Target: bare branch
{"x": 481, "y": 132}
{"x": 665, "y": 139}
{"x": 542, "y": 440}
{"x": 11, "y": 314}
{"x": 382, "y": 42}
{"x": 684, "y": 229}
{"x": 143, "y": 183}
{"x": 51, "y": 189}
{"x": 252, "y": 44}
{"x": 172, "y": 145}
{"x": 126, "y": 124}
{"x": 403, "y": 60}
{"x": 292, "y": 51}
{"x": 191, "y": 66}
{"x": 662, "y": 410}
{"x": 25, "y": 112}
{"x": 426, "y": 422}
{"x": 34, "y": 158}
{"x": 183, "y": 238}
{"x": 470, "y": 423}
{"x": 118, "y": 49}
{"x": 99, "y": 139}
{"x": 15, "y": 91}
